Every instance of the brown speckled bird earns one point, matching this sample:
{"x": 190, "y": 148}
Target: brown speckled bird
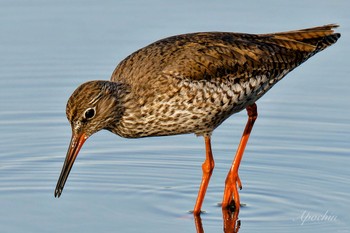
{"x": 190, "y": 83}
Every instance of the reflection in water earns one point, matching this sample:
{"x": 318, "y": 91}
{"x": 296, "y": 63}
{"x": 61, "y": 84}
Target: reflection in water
{"x": 230, "y": 221}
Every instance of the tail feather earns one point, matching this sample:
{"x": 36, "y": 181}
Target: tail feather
{"x": 310, "y": 33}
{"x": 309, "y": 40}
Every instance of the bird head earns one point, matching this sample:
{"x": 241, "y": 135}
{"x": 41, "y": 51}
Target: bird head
{"x": 93, "y": 106}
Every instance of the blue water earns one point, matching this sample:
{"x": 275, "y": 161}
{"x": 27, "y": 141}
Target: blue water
{"x": 296, "y": 167}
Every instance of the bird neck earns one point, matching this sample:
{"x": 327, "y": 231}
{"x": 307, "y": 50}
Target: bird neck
{"x": 121, "y": 95}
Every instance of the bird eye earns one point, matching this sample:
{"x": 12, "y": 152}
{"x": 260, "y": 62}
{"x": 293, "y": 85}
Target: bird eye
{"x": 89, "y": 113}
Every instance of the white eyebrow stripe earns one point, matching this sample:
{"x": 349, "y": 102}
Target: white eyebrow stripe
{"x": 94, "y": 100}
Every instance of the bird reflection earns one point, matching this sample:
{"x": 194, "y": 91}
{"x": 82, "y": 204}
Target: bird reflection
{"x": 231, "y": 223}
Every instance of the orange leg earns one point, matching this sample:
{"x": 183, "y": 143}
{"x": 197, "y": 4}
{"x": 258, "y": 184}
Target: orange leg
{"x": 232, "y": 180}
{"x": 207, "y": 168}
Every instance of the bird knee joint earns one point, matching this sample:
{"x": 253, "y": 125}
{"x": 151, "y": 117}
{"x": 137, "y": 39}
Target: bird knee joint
{"x": 208, "y": 167}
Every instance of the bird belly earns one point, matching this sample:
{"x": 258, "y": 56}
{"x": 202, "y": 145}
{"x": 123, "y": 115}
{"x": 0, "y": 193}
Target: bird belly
{"x": 192, "y": 107}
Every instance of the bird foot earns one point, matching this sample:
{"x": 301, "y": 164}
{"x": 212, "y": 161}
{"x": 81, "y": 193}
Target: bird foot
{"x": 239, "y": 183}
{"x": 231, "y": 196}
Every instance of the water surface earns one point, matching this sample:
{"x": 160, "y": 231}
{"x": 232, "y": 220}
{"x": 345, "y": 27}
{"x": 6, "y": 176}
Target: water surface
{"x": 296, "y": 166}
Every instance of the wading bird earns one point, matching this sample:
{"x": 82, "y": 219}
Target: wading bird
{"x": 190, "y": 83}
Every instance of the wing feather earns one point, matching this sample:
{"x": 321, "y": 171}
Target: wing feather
{"x": 212, "y": 55}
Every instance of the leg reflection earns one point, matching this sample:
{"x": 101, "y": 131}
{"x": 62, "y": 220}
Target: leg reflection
{"x": 198, "y": 223}
{"x": 230, "y": 221}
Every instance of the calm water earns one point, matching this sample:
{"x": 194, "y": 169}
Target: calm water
{"x": 296, "y": 167}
